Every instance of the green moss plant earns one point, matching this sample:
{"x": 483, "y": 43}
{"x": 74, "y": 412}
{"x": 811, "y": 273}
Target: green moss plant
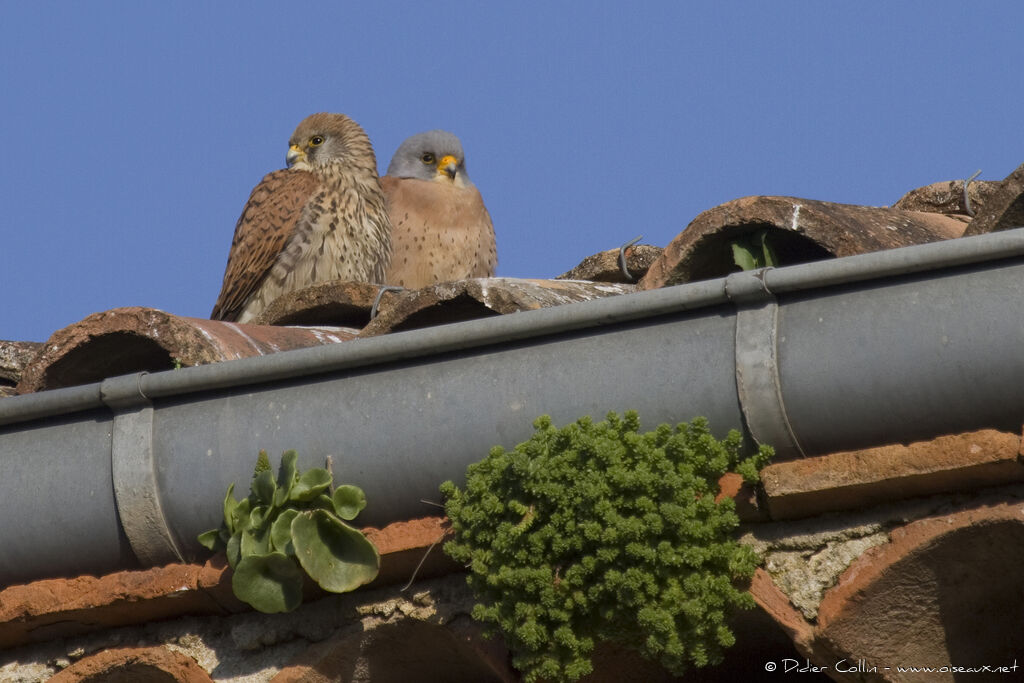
{"x": 288, "y": 527}
{"x": 596, "y": 532}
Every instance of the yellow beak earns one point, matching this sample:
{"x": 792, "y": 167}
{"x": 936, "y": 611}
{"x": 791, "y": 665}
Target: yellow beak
{"x": 294, "y": 155}
{"x": 448, "y": 166}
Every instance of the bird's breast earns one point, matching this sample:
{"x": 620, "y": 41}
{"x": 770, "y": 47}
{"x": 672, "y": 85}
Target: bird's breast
{"x": 343, "y": 234}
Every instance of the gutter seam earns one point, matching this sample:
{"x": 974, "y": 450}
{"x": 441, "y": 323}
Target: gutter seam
{"x": 133, "y": 470}
{"x": 758, "y": 381}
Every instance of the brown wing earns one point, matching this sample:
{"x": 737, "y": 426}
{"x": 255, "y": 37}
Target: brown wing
{"x": 439, "y": 233}
{"x": 269, "y": 218}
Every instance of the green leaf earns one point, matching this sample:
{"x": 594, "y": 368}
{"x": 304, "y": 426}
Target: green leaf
{"x": 348, "y": 501}
{"x": 321, "y": 502}
{"x": 270, "y": 583}
{"x": 287, "y": 475}
{"x": 336, "y": 556}
{"x": 281, "y": 532}
{"x": 210, "y": 539}
{"x": 240, "y": 516}
{"x": 229, "y": 508}
{"x": 255, "y": 541}
{"x": 311, "y": 484}
{"x": 770, "y": 259}
{"x": 258, "y": 516}
{"x": 263, "y": 487}
{"x": 743, "y": 257}
{"x": 234, "y": 549}
{"x": 753, "y": 251}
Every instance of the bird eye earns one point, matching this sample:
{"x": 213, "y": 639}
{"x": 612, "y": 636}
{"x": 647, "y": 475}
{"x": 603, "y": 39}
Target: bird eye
{"x": 427, "y": 158}
{"x": 316, "y": 140}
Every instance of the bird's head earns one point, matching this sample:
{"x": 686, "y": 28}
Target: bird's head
{"x": 321, "y": 139}
{"x": 434, "y": 155}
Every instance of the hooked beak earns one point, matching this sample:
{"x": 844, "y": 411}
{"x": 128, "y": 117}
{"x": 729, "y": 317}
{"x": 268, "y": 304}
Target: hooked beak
{"x": 294, "y": 156}
{"x": 448, "y": 166}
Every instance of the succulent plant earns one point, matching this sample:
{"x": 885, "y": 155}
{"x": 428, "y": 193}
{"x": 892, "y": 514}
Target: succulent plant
{"x": 290, "y": 526}
{"x": 598, "y": 532}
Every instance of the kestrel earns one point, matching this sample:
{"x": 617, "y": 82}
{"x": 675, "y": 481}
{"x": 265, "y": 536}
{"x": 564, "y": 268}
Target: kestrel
{"x": 322, "y": 218}
{"x": 441, "y": 230}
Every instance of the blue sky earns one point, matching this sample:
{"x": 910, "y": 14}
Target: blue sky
{"x": 133, "y": 132}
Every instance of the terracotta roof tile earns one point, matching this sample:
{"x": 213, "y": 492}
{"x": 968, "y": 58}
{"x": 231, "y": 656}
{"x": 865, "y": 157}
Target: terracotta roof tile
{"x": 777, "y": 605}
{"x": 948, "y": 197}
{"x": 606, "y": 266}
{"x": 944, "y": 591}
{"x": 956, "y": 462}
{"x": 56, "y": 608}
{"x": 800, "y": 230}
{"x": 136, "y": 664}
{"x": 14, "y": 356}
{"x": 479, "y": 298}
{"x": 126, "y": 340}
{"x": 405, "y": 649}
{"x": 748, "y": 506}
{"x": 340, "y": 303}
{"x": 1004, "y": 209}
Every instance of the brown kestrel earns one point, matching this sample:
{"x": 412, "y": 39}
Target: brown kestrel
{"x": 441, "y": 230}
{"x": 322, "y": 218}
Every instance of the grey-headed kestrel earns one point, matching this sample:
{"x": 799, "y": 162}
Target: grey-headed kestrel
{"x": 322, "y": 218}
{"x": 441, "y": 230}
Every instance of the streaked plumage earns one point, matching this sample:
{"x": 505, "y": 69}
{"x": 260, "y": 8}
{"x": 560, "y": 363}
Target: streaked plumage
{"x": 441, "y": 230}
{"x": 322, "y": 218}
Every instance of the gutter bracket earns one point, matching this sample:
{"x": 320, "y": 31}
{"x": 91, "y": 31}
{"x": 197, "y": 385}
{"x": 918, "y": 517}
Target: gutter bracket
{"x": 757, "y": 370}
{"x": 134, "y": 472}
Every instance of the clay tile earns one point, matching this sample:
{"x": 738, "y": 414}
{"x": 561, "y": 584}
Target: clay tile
{"x": 948, "y": 197}
{"x": 605, "y": 266}
{"x": 56, "y": 608}
{"x": 482, "y": 297}
{"x": 126, "y": 340}
{"x": 943, "y": 592}
{"x": 1004, "y": 209}
{"x": 799, "y": 230}
{"x": 744, "y": 495}
{"x": 412, "y": 549}
{"x": 956, "y": 462}
{"x": 137, "y": 664}
{"x": 14, "y": 356}
{"x": 776, "y": 605}
{"x": 340, "y": 303}
{"x": 405, "y": 649}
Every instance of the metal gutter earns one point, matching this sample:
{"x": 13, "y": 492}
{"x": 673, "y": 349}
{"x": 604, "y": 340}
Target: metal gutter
{"x": 867, "y": 349}
{"x": 442, "y": 339}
